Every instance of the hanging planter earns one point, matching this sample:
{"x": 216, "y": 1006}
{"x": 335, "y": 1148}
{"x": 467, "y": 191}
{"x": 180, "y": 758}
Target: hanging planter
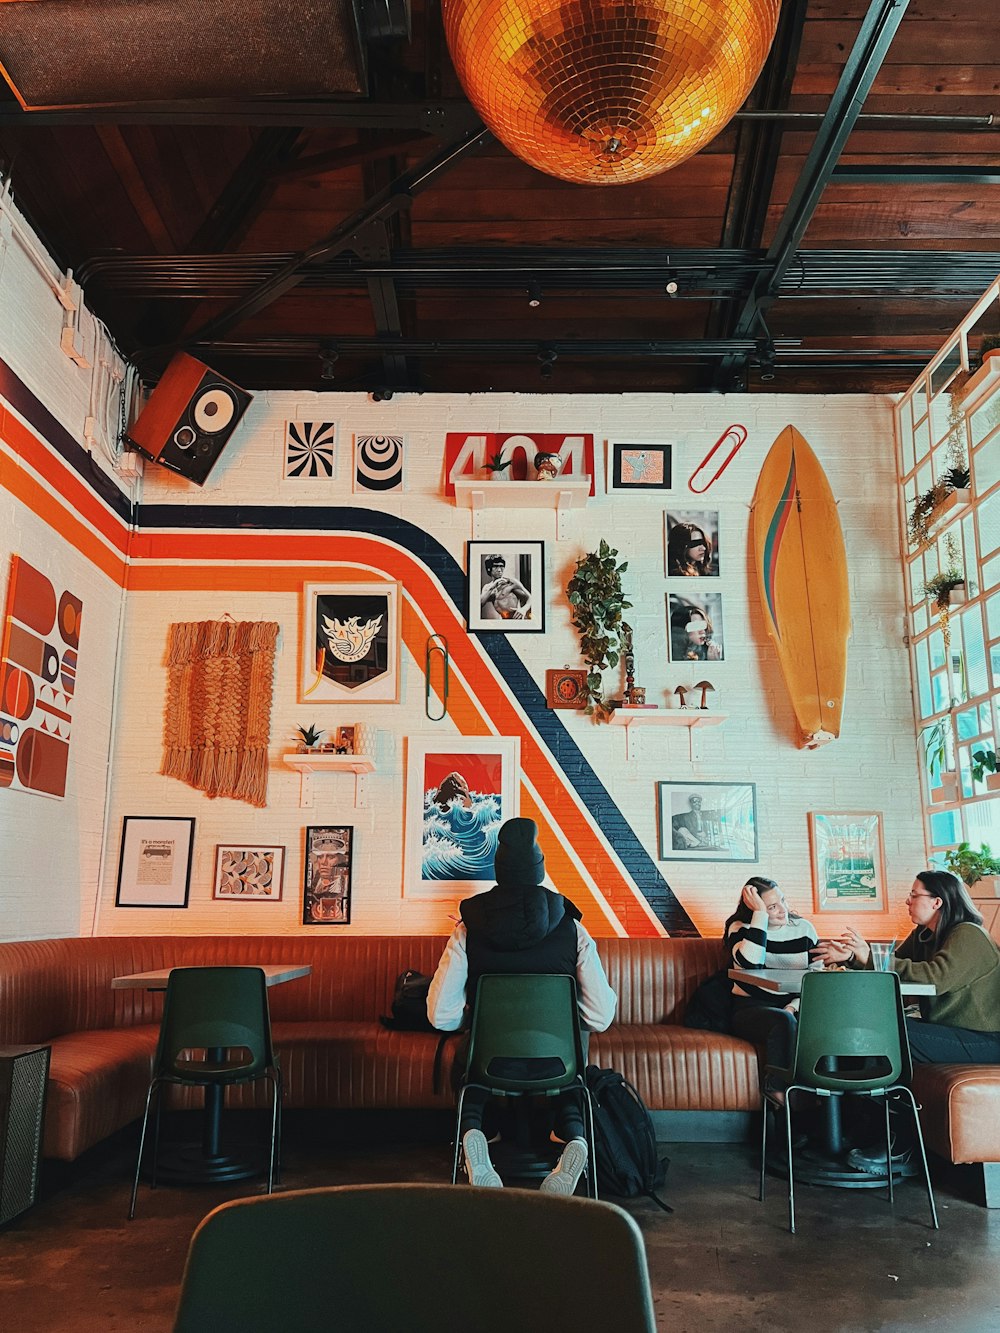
{"x": 596, "y": 597}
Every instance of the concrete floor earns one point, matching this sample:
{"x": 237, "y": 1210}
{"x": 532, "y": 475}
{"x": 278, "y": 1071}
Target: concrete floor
{"x": 721, "y": 1261}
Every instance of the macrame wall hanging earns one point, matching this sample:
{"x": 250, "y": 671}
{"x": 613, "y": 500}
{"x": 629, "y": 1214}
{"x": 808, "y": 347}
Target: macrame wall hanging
{"x": 218, "y": 711}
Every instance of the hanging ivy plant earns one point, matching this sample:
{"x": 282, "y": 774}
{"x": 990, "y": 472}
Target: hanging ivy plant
{"x": 595, "y": 594}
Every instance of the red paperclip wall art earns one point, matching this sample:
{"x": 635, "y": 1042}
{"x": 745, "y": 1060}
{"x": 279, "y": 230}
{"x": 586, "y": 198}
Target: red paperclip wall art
{"x": 38, "y": 660}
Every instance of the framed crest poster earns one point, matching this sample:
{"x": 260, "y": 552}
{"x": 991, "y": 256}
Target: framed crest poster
{"x": 459, "y": 791}
{"x": 350, "y": 643}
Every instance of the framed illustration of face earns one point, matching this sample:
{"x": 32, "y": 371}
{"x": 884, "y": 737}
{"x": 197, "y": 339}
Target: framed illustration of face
{"x": 349, "y": 649}
{"x": 459, "y": 791}
{"x": 326, "y": 890}
{"x": 640, "y": 466}
{"x": 505, "y": 587}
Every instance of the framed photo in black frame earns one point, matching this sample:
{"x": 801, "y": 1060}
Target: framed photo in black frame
{"x": 707, "y": 821}
{"x": 505, "y": 587}
{"x": 640, "y": 466}
{"x": 326, "y": 890}
{"x": 154, "y": 864}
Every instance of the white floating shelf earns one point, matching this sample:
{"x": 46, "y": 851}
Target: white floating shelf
{"x": 952, "y": 506}
{"x": 978, "y": 386}
{"x": 306, "y": 763}
{"x": 563, "y": 494}
{"x": 692, "y": 718}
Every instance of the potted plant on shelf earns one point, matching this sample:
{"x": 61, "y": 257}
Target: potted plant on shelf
{"x": 308, "y": 737}
{"x": 985, "y": 766}
{"x": 496, "y": 466}
{"x": 596, "y": 597}
{"x": 935, "y": 739}
{"x": 976, "y": 869}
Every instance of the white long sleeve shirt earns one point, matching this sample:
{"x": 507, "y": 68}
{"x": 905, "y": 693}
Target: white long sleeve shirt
{"x": 446, "y": 998}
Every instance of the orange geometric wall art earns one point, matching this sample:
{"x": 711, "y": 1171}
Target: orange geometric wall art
{"x": 38, "y": 658}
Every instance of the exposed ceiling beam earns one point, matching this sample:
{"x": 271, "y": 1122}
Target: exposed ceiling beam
{"x": 863, "y": 63}
{"x": 950, "y": 175}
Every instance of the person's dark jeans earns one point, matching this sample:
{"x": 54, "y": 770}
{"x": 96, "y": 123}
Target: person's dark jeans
{"x": 563, "y": 1114}
{"x": 772, "y": 1028}
{"x": 939, "y": 1044}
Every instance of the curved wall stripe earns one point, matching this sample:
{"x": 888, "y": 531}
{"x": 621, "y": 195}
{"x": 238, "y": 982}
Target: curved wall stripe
{"x": 224, "y": 533}
{"x": 41, "y": 420}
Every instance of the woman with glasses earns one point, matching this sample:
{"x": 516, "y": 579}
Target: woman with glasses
{"x": 765, "y": 932}
{"x": 948, "y": 947}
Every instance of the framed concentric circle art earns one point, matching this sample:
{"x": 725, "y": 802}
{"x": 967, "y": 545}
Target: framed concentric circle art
{"x": 378, "y": 463}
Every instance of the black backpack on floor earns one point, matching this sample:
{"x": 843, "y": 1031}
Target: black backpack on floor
{"x": 628, "y": 1164}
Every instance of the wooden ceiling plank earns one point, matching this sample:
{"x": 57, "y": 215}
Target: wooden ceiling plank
{"x": 128, "y": 169}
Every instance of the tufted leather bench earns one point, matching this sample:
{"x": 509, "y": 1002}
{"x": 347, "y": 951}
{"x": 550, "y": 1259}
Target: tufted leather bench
{"x": 960, "y": 1117}
{"x": 333, "y": 1050}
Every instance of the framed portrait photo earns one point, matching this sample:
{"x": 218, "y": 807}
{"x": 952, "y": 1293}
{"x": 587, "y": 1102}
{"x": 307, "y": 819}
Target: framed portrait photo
{"x": 695, "y": 630}
{"x": 249, "y": 872}
{"x": 707, "y": 821}
{"x": 639, "y": 466}
{"x": 505, "y": 587}
{"x": 848, "y": 861}
{"x": 349, "y": 643}
{"x": 459, "y": 791}
{"x": 691, "y": 543}
{"x": 328, "y": 863}
{"x": 154, "y": 864}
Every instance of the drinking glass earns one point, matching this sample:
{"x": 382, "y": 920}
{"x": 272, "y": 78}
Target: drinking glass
{"x": 882, "y": 956}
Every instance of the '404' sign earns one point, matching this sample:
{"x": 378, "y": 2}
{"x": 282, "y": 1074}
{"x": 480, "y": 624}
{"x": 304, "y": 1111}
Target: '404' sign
{"x": 466, "y": 456}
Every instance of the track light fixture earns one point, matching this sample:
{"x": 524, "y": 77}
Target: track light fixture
{"x": 329, "y": 357}
{"x": 546, "y": 360}
{"x": 765, "y": 360}
{"x": 534, "y": 294}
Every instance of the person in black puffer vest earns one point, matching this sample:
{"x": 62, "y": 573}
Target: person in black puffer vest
{"x": 520, "y": 926}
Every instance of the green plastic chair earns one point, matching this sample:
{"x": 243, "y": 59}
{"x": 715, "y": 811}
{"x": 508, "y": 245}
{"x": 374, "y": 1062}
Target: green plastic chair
{"x": 525, "y": 1041}
{"x": 847, "y": 1014}
{"x": 380, "y": 1258}
{"x": 222, "y": 1011}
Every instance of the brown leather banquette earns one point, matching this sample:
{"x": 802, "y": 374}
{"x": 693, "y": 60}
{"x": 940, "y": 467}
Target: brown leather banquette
{"x": 332, "y": 1048}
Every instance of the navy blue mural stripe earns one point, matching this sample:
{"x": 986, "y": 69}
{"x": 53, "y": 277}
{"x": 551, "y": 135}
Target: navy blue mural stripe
{"x": 591, "y": 791}
{"x": 44, "y": 424}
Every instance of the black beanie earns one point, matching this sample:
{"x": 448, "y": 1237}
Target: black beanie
{"x": 519, "y": 858}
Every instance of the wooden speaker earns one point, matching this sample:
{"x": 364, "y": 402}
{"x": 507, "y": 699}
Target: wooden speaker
{"x": 24, "y": 1072}
{"x": 190, "y": 415}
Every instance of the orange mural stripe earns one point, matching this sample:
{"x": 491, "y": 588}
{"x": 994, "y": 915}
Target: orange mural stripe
{"x": 51, "y": 510}
{"x": 64, "y": 482}
{"x": 439, "y": 612}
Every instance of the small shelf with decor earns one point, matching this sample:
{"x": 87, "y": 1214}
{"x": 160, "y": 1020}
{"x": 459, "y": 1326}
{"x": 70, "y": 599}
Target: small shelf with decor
{"x": 981, "y": 383}
{"x": 562, "y": 495}
{"x": 694, "y": 719}
{"x": 308, "y": 762}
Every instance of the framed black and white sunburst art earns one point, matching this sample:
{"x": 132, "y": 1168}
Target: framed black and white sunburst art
{"x": 378, "y": 463}
{"x": 310, "y": 449}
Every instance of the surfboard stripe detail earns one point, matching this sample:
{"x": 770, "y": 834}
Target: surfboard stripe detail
{"x": 772, "y": 543}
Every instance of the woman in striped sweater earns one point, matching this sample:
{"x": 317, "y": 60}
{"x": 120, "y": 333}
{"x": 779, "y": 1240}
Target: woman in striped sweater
{"x": 764, "y": 932}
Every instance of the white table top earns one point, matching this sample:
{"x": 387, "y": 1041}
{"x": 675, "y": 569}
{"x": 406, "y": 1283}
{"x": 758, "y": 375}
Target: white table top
{"x": 274, "y": 975}
{"x": 789, "y": 980}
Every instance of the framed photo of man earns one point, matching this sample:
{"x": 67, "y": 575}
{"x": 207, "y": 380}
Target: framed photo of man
{"x": 505, "y": 587}
{"x": 707, "y": 821}
{"x": 326, "y": 892}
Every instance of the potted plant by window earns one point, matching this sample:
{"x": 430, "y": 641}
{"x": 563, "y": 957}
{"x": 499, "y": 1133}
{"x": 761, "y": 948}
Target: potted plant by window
{"x": 942, "y": 781}
{"x": 980, "y": 871}
{"x": 985, "y": 766}
{"x": 596, "y": 597}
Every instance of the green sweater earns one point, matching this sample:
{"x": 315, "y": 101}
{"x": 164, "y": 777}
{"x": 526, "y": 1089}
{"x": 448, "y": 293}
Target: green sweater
{"x": 965, "y": 972}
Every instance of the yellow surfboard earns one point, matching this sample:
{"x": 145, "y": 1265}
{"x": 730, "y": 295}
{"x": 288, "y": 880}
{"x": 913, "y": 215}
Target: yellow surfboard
{"x": 802, "y": 573}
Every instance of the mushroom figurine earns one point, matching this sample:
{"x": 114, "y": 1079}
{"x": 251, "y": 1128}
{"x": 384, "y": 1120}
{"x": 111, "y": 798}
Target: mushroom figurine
{"x": 681, "y": 692}
{"x": 706, "y": 688}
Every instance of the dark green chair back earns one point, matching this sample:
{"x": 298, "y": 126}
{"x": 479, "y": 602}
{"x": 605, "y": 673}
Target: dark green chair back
{"x": 851, "y": 1014}
{"x": 419, "y": 1258}
{"x": 525, "y": 1034}
{"x": 211, "y": 1008}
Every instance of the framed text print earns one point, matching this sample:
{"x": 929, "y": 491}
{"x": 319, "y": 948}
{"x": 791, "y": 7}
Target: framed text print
{"x": 154, "y": 865}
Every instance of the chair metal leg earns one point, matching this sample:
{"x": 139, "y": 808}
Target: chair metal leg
{"x": 275, "y": 1080}
{"x": 791, "y": 1175}
{"x": 923, "y": 1157}
{"x": 142, "y": 1144}
{"x": 763, "y": 1145}
{"x": 458, "y": 1135}
{"x": 888, "y": 1147}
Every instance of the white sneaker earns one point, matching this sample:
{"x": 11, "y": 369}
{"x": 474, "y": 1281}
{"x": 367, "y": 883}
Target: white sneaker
{"x": 565, "y": 1176}
{"x": 478, "y": 1166}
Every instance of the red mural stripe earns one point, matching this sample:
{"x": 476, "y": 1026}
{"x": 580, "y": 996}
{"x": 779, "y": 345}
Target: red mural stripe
{"x": 438, "y": 611}
{"x": 78, "y": 496}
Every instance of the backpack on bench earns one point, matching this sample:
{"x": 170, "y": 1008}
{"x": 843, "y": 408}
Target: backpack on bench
{"x": 628, "y": 1164}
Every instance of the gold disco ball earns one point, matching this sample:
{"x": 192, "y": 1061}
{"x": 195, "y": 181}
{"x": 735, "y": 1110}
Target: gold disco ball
{"x": 608, "y": 91}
